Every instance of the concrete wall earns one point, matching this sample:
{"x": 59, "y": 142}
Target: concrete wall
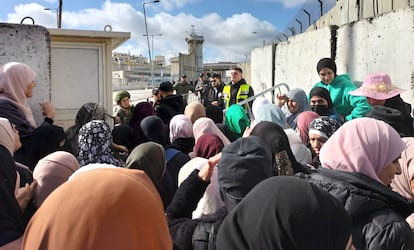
{"x": 347, "y": 11}
{"x": 262, "y": 68}
{"x": 380, "y": 44}
{"x": 29, "y": 44}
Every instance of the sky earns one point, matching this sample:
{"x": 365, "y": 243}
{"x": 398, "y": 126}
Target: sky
{"x": 231, "y": 28}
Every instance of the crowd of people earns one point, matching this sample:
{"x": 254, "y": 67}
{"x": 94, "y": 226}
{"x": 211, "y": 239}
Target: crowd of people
{"x": 328, "y": 169}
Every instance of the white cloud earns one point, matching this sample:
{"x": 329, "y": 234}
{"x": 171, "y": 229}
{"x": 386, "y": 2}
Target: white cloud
{"x": 287, "y": 3}
{"x": 229, "y": 39}
{"x": 50, "y": 1}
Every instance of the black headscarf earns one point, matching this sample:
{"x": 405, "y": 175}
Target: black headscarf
{"x": 284, "y": 212}
{"x": 326, "y": 63}
{"x": 276, "y": 139}
{"x": 142, "y": 110}
{"x": 244, "y": 163}
{"x": 324, "y": 93}
{"x": 154, "y": 130}
{"x": 215, "y": 113}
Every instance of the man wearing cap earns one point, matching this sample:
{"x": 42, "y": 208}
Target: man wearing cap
{"x": 183, "y": 87}
{"x": 238, "y": 90}
{"x": 378, "y": 89}
{"x": 171, "y": 104}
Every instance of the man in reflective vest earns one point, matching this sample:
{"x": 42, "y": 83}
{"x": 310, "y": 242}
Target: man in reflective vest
{"x": 238, "y": 89}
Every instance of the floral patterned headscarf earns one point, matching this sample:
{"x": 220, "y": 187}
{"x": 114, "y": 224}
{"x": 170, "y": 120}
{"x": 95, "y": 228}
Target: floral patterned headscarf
{"x": 95, "y": 144}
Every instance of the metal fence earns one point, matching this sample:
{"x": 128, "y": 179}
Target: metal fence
{"x": 308, "y": 14}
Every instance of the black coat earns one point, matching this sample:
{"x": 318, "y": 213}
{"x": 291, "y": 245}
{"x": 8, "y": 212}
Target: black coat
{"x": 180, "y": 210}
{"x": 378, "y": 214}
{"x": 36, "y": 142}
{"x": 12, "y": 223}
{"x": 170, "y": 106}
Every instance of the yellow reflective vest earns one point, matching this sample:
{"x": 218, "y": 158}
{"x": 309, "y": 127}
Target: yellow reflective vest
{"x": 242, "y": 94}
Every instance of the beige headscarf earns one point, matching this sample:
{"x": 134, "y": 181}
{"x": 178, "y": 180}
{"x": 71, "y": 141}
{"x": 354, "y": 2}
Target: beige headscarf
{"x": 14, "y": 79}
{"x": 7, "y": 135}
{"x": 194, "y": 111}
{"x": 106, "y": 208}
{"x": 51, "y": 172}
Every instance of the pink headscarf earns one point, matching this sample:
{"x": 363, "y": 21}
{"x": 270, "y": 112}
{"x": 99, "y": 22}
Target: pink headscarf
{"x": 302, "y": 124}
{"x": 52, "y": 171}
{"x": 14, "y": 79}
{"x": 402, "y": 182}
{"x": 180, "y": 127}
{"x": 7, "y": 135}
{"x": 362, "y": 145}
{"x": 205, "y": 125}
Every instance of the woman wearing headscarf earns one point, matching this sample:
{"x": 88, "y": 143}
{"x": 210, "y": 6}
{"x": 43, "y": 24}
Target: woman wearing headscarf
{"x": 358, "y": 163}
{"x": 320, "y": 129}
{"x": 194, "y": 111}
{"x": 208, "y": 145}
{"x": 321, "y": 103}
{"x": 215, "y": 113}
{"x": 304, "y": 120}
{"x": 88, "y": 112}
{"x": 150, "y": 157}
{"x": 257, "y": 105}
{"x": 271, "y": 113}
{"x": 236, "y": 120}
{"x": 205, "y": 125}
{"x": 403, "y": 183}
{"x": 17, "y": 81}
{"x": 153, "y": 129}
{"x": 283, "y": 160}
{"x": 293, "y": 214}
{"x": 13, "y": 199}
{"x": 95, "y": 144}
{"x": 123, "y": 211}
{"x": 181, "y": 134}
{"x": 292, "y": 104}
{"x": 339, "y": 86}
{"x": 142, "y": 110}
{"x": 302, "y": 153}
{"x": 52, "y": 171}
{"x": 243, "y": 164}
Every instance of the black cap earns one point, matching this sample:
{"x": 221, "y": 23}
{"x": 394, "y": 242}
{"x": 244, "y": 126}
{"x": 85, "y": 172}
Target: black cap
{"x": 201, "y": 74}
{"x": 183, "y": 75}
{"x": 166, "y": 86}
{"x": 155, "y": 91}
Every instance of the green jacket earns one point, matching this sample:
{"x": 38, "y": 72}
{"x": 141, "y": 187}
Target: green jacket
{"x": 350, "y": 107}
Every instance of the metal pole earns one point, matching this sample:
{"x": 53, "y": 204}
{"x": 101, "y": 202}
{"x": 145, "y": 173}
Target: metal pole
{"x": 59, "y": 14}
{"x": 309, "y": 17}
{"x": 299, "y": 24}
{"x": 148, "y": 43}
{"x": 321, "y": 4}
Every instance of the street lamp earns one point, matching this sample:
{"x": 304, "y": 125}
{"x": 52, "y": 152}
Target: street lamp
{"x": 146, "y": 32}
{"x": 57, "y": 15}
